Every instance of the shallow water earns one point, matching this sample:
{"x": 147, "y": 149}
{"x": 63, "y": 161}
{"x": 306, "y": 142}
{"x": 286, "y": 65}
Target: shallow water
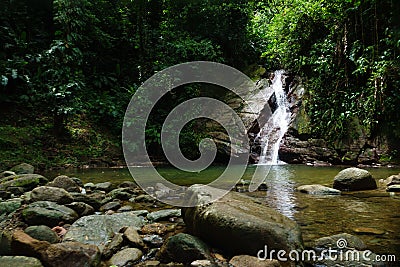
{"x": 317, "y": 216}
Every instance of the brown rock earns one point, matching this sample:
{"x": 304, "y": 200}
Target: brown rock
{"x": 246, "y": 260}
{"x": 66, "y": 183}
{"x": 154, "y": 228}
{"x": 133, "y": 237}
{"x": 24, "y": 245}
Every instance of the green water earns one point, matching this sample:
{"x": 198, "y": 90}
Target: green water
{"x": 317, "y": 216}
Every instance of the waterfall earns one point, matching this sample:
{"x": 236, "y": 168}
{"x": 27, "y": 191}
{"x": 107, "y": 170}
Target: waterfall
{"x": 272, "y": 132}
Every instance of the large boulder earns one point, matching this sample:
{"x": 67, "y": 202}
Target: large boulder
{"x": 353, "y": 179}
{"x": 66, "y": 183}
{"x": 183, "y": 248}
{"x": 23, "y": 168}
{"x": 25, "y": 245}
{"x": 53, "y": 194}
{"x": 99, "y": 229}
{"x": 71, "y": 254}
{"x": 238, "y": 223}
{"x": 48, "y": 213}
{"x": 27, "y": 181}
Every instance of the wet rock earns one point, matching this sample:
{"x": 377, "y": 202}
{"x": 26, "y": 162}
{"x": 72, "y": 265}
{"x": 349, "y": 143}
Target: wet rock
{"x": 126, "y": 257}
{"x": 368, "y": 231}
{"x": 353, "y": 179}
{"x": 53, "y": 194}
{"x": 27, "y": 181}
{"x": 183, "y": 248}
{"x": 133, "y": 237}
{"x": 393, "y": 188}
{"x": 81, "y": 208}
{"x": 66, "y": 183}
{"x": 114, "y": 205}
{"x": 246, "y": 260}
{"x": 154, "y": 228}
{"x": 42, "y": 233}
{"x": 48, "y": 213}
{"x": 23, "y": 168}
{"x": 106, "y": 186}
{"x": 317, "y": 189}
{"x": 153, "y": 240}
{"x": 69, "y": 254}
{"x": 351, "y": 241}
{"x": 113, "y": 246}
{"x": 163, "y": 214}
{"x": 25, "y": 245}
{"x": 98, "y": 229}
{"x": 9, "y": 206}
{"x": 19, "y": 261}
{"x": 238, "y": 223}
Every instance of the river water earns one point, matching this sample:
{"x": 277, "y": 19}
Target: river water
{"x": 318, "y": 216}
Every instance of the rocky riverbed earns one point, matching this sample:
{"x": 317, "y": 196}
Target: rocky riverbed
{"x": 64, "y": 222}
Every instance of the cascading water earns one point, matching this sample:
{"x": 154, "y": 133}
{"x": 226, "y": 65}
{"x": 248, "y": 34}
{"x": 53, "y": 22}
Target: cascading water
{"x": 272, "y": 132}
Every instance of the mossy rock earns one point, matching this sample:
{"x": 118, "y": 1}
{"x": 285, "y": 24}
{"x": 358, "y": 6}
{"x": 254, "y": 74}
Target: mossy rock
{"x": 27, "y": 181}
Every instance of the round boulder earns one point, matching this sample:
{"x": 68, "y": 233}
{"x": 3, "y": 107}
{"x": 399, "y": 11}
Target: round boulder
{"x": 43, "y": 233}
{"x": 354, "y": 179}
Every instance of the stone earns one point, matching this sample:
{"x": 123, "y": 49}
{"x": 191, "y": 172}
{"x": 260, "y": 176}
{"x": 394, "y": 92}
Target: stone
{"x": 351, "y": 241}
{"x": 5, "y": 242}
{"x": 6, "y": 174}
{"x": 202, "y": 263}
{"x": 317, "y": 189}
{"x": 392, "y": 180}
{"x": 114, "y": 205}
{"x": 9, "y": 206}
{"x": 4, "y": 194}
{"x": 16, "y": 190}
{"x": 77, "y": 181}
{"x": 133, "y": 237}
{"x": 153, "y": 240}
{"x": 238, "y": 223}
{"x": 27, "y": 181}
{"x": 42, "y": 233}
{"x": 89, "y": 185}
{"x": 128, "y": 184}
{"x": 126, "y": 257}
{"x": 113, "y": 246}
{"x": 368, "y": 231}
{"x": 154, "y": 228}
{"x": 69, "y": 254}
{"x": 48, "y": 213}
{"x": 25, "y": 245}
{"x": 163, "y": 214}
{"x": 151, "y": 264}
{"x": 98, "y": 229}
{"x": 246, "y": 260}
{"x": 66, "y": 183}
{"x": 393, "y": 188}
{"x": 183, "y": 248}
{"x": 81, "y": 208}
{"x": 125, "y": 208}
{"x": 53, "y": 194}
{"x": 353, "y": 179}
{"x": 93, "y": 200}
{"x": 120, "y": 193}
{"x": 19, "y": 261}
{"x": 23, "y": 168}
{"x": 106, "y": 186}
{"x": 143, "y": 198}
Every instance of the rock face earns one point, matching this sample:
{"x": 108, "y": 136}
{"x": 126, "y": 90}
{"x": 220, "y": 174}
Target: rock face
{"x": 71, "y": 254}
{"x": 353, "y": 179}
{"x": 183, "y": 248}
{"x": 98, "y": 229}
{"x": 317, "y": 189}
{"x": 66, "y": 183}
{"x": 239, "y": 225}
{"x": 53, "y": 194}
{"x": 27, "y": 181}
{"x": 48, "y": 213}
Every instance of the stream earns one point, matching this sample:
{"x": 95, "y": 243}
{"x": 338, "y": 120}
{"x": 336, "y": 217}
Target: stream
{"x": 318, "y": 216}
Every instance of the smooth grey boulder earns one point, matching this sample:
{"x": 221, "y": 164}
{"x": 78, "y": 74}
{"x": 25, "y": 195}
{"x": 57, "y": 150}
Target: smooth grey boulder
{"x": 48, "y": 213}
{"x": 354, "y": 179}
{"x": 239, "y": 224}
{"x": 317, "y": 189}
{"x": 98, "y": 229}
{"x": 53, "y": 194}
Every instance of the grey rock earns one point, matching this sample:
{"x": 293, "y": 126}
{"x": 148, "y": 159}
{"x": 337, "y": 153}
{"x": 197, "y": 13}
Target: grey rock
{"x": 317, "y": 189}
{"x": 48, "y": 213}
{"x": 6, "y": 174}
{"x": 353, "y": 179}
{"x": 89, "y": 185}
{"x": 19, "y": 261}
{"x": 113, "y": 246}
{"x": 9, "y": 206}
{"x": 392, "y": 180}
{"x": 27, "y": 181}
{"x": 43, "y": 233}
{"x": 66, "y": 183}
{"x": 163, "y": 214}
{"x": 125, "y": 208}
{"x": 16, "y": 190}
{"x": 238, "y": 223}
{"x": 183, "y": 248}
{"x": 393, "y": 188}
{"x": 53, "y": 194}
{"x": 126, "y": 257}
{"x": 81, "y": 208}
{"x": 23, "y": 168}
{"x": 153, "y": 240}
{"x": 98, "y": 229}
{"x": 106, "y": 186}
{"x": 143, "y": 198}
{"x": 121, "y": 193}
{"x": 114, "y": 205}
{"x": 93, "y": 200}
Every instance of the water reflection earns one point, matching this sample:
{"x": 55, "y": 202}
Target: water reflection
{"x": 280, "y": 195}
